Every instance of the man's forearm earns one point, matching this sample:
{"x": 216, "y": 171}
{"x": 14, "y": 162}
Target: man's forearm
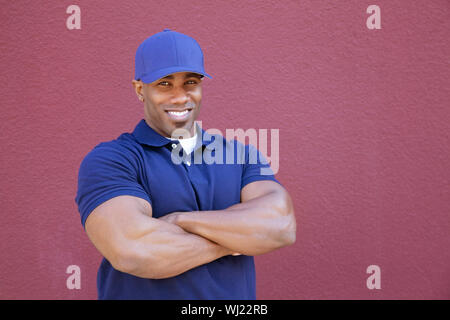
{"x": 167, "y": 250}
{"x": 253, "y": 227}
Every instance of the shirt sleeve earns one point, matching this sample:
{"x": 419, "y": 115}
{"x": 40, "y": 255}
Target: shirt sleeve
{"x": 106, "y": 172}
{"x": 256, "y": 167}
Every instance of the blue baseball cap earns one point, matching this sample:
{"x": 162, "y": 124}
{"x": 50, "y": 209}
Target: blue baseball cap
{"x": 167, "y": 52}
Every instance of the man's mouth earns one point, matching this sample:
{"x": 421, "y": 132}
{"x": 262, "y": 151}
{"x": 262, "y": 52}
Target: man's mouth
{"x": 179, "y": 115}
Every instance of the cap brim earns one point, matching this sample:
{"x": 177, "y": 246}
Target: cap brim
{"x": 156, "y": 75}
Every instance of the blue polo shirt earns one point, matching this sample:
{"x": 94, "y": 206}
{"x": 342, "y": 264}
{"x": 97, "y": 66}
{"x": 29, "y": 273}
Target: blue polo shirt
{"x": 147, "y": 165}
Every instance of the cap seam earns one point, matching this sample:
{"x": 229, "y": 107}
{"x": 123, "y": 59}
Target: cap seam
{"x": 176, "y": 48}
{"x": 143, "y": 62}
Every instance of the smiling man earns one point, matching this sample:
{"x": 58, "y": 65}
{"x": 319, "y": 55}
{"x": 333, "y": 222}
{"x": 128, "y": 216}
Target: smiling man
{"x": 178, "y": 230}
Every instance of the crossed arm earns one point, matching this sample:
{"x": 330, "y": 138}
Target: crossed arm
{"x": 127, "y": 235}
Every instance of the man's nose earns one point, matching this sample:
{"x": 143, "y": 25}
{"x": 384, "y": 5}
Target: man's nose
{"x": 180, "y": 96}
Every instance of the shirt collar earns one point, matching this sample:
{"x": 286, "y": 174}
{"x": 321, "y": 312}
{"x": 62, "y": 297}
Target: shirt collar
{"x": 144, "y": 134}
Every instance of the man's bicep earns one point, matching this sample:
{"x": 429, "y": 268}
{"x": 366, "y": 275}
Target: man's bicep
{"x": 257, "y": 178}
{"x": 113, "y": 224}
{"x": 108, "y": 171}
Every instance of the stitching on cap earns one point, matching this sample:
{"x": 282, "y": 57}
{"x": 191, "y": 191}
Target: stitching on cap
{"x": 143, "y": 61}
{"x": 176, "y": 49}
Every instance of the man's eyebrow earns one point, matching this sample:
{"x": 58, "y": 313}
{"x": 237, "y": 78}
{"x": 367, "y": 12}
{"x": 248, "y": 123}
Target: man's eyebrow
{"x": 188, "y": 75}
{"x": 196, "y": 75}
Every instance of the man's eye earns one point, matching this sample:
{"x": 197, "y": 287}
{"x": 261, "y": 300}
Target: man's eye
{"x": 163, "y": 83}
{"x": 191, "y": 82}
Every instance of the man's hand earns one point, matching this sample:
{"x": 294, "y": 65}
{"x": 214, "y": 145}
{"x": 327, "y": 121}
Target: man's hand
{"x": 174, "y": 217}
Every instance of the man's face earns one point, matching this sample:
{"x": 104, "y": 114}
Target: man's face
{"x": 172, "y": 102}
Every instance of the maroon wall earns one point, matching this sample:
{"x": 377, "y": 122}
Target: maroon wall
{"x": 363, "y": 118}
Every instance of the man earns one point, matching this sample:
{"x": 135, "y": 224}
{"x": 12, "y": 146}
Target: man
{"x": 173, "y": 229}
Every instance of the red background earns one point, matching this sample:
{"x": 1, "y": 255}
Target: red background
{"x": 363, "y": 118}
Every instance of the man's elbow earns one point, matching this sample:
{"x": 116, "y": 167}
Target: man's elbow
{"x": 125, "y": 261}
{"x": 137, "y": 264}
{"x": 288, "y": 232}
{"x": 288, "y": 225}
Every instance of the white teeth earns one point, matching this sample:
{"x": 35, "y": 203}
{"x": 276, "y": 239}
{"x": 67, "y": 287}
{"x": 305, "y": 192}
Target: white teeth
{"x": 178, "y": 114}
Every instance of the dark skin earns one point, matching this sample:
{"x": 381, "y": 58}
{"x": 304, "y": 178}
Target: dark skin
{"x": 176, "y": 92}
{"x": 127, "y": 235}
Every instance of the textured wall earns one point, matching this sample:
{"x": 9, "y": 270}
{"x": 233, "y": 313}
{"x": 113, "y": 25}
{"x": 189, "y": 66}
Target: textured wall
{"x": 363, "y": 118}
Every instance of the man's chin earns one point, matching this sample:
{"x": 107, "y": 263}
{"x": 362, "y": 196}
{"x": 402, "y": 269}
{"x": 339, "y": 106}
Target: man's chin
{"x": 183, "y": 130}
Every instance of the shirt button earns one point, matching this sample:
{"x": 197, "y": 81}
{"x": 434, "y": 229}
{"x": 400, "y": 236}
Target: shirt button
{"x": 174, "y": 145}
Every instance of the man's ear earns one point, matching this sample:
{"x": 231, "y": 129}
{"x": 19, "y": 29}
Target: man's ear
{"x": 138, "y": 87}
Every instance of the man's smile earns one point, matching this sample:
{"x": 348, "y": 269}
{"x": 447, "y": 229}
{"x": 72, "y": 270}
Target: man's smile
{"x": 179, "y": 115}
